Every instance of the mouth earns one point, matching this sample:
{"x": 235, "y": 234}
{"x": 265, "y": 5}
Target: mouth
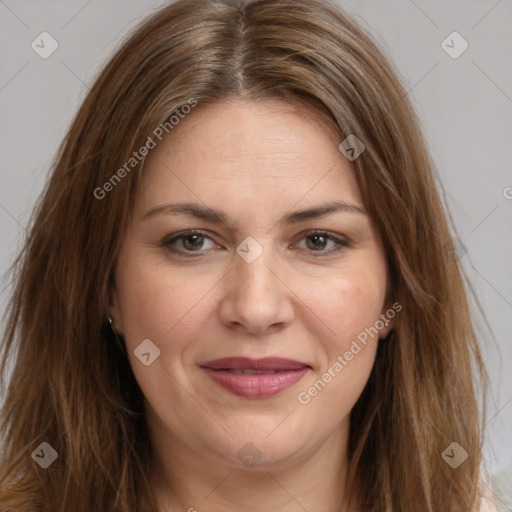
{"x": 255, "y": 378}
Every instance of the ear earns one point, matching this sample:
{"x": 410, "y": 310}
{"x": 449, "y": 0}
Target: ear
{"x": 114, "y": 309}
{"x": 387, "y": 318}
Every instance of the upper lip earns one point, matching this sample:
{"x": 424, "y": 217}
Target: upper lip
{"x": 246, "y": 363}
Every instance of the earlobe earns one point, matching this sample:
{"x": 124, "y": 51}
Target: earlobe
{"x": 386, "y": 329}
{"x": 385, "y": 325}
{"x": 387, "y": 319}
{"x": 114, "y": 310}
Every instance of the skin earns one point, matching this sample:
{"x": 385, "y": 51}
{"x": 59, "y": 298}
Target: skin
{"x": 300, "y": 299}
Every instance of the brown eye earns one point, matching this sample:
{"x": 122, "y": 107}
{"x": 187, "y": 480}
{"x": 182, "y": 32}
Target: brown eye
{"x": 322, "y": 243}
{"x": 316, "y": 242}
{"x": 193, "y": 242}
{"x": 190, "y": 242}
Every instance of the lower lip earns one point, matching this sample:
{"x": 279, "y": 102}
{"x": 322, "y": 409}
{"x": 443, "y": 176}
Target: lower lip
{"x": 256, "y": 385}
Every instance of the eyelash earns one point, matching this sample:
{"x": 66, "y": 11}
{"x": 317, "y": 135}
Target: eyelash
{"x": 167, "y": 243}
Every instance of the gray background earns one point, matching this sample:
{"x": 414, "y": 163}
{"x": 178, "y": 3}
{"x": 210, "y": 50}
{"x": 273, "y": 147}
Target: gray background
{"x": 465, "y": 106}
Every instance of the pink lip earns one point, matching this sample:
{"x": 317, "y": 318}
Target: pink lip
{"x": 274, "y": 374}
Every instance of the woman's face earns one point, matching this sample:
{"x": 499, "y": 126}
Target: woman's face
{"x": 254, "y": 282}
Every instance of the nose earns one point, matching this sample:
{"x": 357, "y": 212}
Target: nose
{"x": 256, "y": 298}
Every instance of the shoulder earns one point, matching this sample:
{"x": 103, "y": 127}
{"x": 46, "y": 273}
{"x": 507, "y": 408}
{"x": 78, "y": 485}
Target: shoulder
{"x": 501, "y": 485}
{"x": 488, "y": 505}
{"x": 497, "y": 495}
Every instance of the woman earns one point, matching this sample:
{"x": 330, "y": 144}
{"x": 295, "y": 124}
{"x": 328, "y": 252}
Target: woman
{"x": 238, "y": 290}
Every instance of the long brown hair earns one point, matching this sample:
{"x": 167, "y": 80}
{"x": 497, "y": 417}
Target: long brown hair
{"x": 71, "y": 384}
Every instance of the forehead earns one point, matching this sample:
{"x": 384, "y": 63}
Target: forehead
{"x": 249, "y": 152}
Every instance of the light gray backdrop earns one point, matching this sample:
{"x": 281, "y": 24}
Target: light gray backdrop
{"x": 463, "y": 97}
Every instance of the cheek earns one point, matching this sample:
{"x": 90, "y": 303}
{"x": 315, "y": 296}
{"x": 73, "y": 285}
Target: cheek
{"x": 347, "y": 304}
{"x": 161, "y": 305}
{"x": 350, "y": 307}
{"x": 349, "y": 310}
{"x": 170, "y": 309}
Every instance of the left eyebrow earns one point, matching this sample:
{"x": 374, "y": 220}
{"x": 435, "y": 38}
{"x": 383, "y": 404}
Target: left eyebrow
{"x": 321, "y": 211}
{"x": 219, "y": 217}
